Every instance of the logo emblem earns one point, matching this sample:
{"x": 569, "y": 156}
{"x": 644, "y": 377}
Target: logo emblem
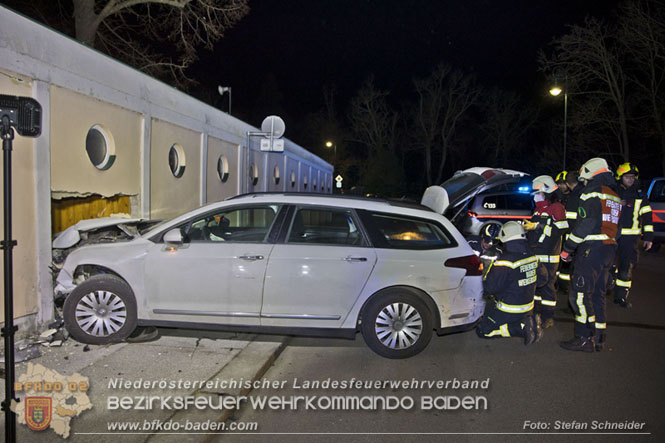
{"x": 38, "y": 412}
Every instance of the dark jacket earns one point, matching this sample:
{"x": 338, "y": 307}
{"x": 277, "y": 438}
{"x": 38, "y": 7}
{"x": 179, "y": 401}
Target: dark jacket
{"x": 512, "y": 278}
{"x": 552, "y": 224}
{"x": 572, "y": 203}
{"x": 635, "y": 213}
{"x": 597, "y": 215}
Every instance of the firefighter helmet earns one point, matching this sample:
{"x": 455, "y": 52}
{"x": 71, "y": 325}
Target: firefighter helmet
{"x": 543, "y": 183}
{"x": 593, "y": 167}
{"x": 561, "y": 177}
{"x": 511, "y": 230}
{"x": 627, "y": 168}
{"x": 490, "y": 232}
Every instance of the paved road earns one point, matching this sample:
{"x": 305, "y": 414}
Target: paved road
{"x": 539, "y": 384}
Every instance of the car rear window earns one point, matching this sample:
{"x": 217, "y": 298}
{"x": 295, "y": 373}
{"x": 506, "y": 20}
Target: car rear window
{"x": 403, "y": 232}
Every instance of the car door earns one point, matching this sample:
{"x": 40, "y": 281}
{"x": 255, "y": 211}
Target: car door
{"x": 216, "y": 275}
{"x": 315, "y": 276}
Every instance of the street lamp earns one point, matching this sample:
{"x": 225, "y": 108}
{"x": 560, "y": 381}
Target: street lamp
{"x": 330, "y": 144}
{"x": 222, "y": 90}
{"x": 556, "y": 91}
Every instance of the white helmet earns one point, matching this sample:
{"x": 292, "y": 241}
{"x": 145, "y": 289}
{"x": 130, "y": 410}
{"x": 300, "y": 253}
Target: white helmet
{"x": 593, "y": 167}
{"x": 544, "y": 183}
{"x": 511, "y": 230}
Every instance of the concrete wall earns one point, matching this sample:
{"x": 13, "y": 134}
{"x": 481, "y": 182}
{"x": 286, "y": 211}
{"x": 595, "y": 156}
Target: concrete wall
{"x": 170, "y": 195}
{"x": 73, "y": 115}
{"x": 24, "y": 210}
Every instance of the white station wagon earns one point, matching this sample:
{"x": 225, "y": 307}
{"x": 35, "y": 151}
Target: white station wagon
{"x": 282, "y": 263}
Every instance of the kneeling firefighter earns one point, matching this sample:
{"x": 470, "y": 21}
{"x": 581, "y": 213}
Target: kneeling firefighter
{"x": 510, "y": 284}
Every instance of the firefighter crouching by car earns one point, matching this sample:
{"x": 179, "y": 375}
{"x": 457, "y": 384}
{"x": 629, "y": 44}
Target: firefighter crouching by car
{"x": 575, "y": 189}
{"x": 594, "y": 244}
{"x": 510, "y": 284}
{"x": 635, "y": 220}
{"x": 484, "y": 245}
{"x": 545, "y": 231}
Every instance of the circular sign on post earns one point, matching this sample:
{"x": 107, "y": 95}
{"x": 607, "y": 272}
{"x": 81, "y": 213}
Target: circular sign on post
{"x": 274, "y": 125}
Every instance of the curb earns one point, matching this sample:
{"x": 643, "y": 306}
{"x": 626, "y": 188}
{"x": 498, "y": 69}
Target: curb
{"x": 250, "y": 364}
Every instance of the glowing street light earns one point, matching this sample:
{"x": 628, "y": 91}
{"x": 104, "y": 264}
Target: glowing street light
{"x": 330, "y": 144}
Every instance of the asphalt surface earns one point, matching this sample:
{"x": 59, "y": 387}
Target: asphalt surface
{"x": 542, "y": 385}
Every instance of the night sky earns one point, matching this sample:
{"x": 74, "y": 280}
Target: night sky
{"x": 284, "y": 52}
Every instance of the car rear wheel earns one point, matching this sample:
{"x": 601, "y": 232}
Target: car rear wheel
{"x": 397, "y": 324}
{"x": 100, "y": 310}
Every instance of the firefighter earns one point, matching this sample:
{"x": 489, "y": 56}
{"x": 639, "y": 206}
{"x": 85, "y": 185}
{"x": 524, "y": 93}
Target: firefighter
{"x": 547, "y": 227}
{"x": 593, "y": 242}
{"x": 635, "y": 220}
{"x": 510, "y": 284}
{"x": 560, "y": 180}
{"x": 484, "y": 245}
{"x": 575, "y": 188}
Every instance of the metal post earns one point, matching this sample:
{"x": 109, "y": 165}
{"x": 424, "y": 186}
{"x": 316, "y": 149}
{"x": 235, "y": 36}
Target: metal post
{"x": 7, "y": 247}
{"x": 565, "y": 126}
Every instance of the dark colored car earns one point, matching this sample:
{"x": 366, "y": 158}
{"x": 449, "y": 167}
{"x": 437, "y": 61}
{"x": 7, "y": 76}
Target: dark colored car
{"x": 656, "y": 196}
{"x": 477, "y": 197}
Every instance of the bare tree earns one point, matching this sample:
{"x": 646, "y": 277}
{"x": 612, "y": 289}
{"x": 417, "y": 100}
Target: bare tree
{"x": 443, "y": 100}
{"x": 374, "y": 128}
{"x": 373, "y": 123}
{"x": 159, "y": 37}
{"x": 589, "y": 57}
{"x": 506, "y": 123}
{"x": 642, "y": 35}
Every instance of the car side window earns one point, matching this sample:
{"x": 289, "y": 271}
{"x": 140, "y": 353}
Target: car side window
{"x": 239, "y": 225}
{"x": 494, "y": 202}
{"x": 520, "y": 202}
{"x": 326, "y": 226}
{"x": 402, "y": 232}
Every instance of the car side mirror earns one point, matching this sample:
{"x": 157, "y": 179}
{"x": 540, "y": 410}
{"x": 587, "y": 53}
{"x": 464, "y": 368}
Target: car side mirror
{"x": 173, "y": 238}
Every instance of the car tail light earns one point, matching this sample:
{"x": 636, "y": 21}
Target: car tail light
{"x": 471, "y": 263}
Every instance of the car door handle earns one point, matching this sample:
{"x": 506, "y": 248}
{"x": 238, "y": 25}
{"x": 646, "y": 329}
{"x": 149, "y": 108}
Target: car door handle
{"x": 251, "y": 257}
{"x": 354, "y": 259}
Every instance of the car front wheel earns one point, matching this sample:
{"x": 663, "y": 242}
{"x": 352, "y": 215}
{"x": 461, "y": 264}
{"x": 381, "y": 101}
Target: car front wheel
{"x": 397, "y": 324}
{"x": 100, "y": 310}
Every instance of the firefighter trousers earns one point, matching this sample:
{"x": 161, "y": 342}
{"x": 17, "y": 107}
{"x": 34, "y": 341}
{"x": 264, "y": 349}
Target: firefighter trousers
{"x": 546, "y": 289}
{"x": 589, "y": 285}
{"x": 626, "y": 260}
{"x": 497, "y": 323}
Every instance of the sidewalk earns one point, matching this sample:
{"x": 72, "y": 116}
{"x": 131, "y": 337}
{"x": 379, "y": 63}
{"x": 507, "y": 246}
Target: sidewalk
{"x": 176, "y": 356}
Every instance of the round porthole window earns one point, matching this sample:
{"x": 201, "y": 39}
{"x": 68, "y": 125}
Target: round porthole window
{"x": 275, "y": 174}
{"x": 304, "y": 182}
{"x": 223, "y": 168}
{"x": 293, "y": 179}
{"x": 177, "y": 160}
{"x": 100, "y": 147}
{"x": 254, "y": 175}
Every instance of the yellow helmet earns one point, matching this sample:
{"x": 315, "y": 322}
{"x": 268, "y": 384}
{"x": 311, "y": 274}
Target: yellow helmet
{"x": 593, "y": 167}
{"x": 561, "y": 177}
{"x": 627, "y": 168}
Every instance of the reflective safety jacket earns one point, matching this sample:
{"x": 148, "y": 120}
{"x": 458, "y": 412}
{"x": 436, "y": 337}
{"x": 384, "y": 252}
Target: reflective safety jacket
{"x": 552, "y": 224}
{"x": 512, "y": 278}
{"x": 572, "y": 203}
{"x": 597, "y": 215}
{"x": 635, "y": 213}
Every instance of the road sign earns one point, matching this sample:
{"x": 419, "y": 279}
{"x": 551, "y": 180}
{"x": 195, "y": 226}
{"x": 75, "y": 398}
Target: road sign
{"x": 339, "y": 179}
